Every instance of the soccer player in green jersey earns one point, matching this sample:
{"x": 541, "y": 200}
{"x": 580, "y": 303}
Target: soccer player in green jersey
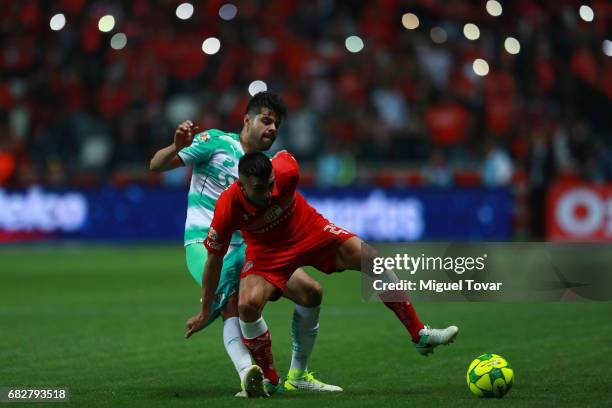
{"x": 213, "y": 156}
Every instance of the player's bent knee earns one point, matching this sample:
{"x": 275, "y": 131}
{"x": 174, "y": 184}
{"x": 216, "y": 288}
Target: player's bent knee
{"x": 249, "y": 308}
{"x": 248, "y": 312}
{"x": 314, "y": 295}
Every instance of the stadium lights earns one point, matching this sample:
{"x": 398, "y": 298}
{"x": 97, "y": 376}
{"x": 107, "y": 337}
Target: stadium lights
{"x": 211, "y": 45}
{"x": 586, "y": 13}
{"x": 257, "y": 86}
{"x": 494, "y": 8}
{"x": 471, "y": 31}
{"x": 57, "y": 22}
{"x": 512, "y": 45}
{"x": 480, "y": 67}
{"x": 607, "y": 47}
{"x": 228, "y": 11}
{"x": 184, "y": 11}
{"x": 106, "y": 23}
{"x": 438, "y": 35}
{"x": 354, "y": 43}
{"x": 410, "y": 21}
{"x": 118, "y": 41}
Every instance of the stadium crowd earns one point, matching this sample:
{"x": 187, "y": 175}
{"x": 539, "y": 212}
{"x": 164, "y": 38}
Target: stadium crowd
{"x": 408, "y": 109}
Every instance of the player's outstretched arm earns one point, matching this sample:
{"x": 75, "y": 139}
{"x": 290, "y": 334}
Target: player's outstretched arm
{"x": 167, "y": 159}
{"x": 210, "y": 281}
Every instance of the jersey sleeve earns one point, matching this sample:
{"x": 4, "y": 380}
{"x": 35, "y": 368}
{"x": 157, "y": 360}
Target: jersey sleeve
{"x": 201, "y": 149}
{"x": 286, "y": 171}
{"x": 223, "y": 224}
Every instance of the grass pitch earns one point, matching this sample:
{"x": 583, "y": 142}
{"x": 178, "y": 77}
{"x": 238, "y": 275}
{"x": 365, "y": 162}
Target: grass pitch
{"x": 108, "y": 323}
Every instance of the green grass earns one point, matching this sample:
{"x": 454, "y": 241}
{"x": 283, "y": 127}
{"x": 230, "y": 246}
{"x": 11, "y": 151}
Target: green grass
{"x": 109, "y": 324}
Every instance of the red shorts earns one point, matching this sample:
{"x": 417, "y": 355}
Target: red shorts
{"x": 317, "y": 248}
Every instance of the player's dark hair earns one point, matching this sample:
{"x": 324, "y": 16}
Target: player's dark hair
{"x": 267, "y": 100}
{"x": 255, "y": 164}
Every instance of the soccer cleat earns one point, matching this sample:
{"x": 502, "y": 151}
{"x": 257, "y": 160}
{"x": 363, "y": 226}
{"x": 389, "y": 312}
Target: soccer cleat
{"x": 241, "y": 394}
{"x": 272, "y": 389}
{"x": 305, "y": 381}
{"x": 431, "y": 338}
{"x": 253, "y": 383}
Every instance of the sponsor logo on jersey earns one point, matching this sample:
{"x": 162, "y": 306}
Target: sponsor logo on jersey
{"x": 273, "y": 213}
{"x": 334, "y": 229}
{"x": 203, "y": 137}
{"x": 283, "y": 215}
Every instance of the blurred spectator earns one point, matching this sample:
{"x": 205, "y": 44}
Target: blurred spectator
{"x": 447, "y": 121}
{"x": 336, "y": 167}
{"x": 7, "y": 166}
{"x": 436, "y": 62}
{"x": 437, "y": 172}
{"x": 303, "y": 134}
{"x": 497, "y": 168}
{"x": 500, "y": 102}
{"x": 542, "y": 169}
{"x": 390, "y": 105}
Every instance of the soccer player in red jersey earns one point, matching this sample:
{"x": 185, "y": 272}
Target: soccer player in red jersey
{"x": 213, "y": 156}
{"x": 283, "y": 232}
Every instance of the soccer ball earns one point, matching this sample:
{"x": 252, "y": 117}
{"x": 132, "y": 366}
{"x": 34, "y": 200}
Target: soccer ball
{"x": 490, "y": 375}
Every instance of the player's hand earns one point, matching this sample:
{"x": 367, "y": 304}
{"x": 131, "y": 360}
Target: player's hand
{"x": 183, "y": 136}
{"x": 195, "y": 324}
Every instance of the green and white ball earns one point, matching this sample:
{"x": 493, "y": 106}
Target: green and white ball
{"x": 490, "y": 375}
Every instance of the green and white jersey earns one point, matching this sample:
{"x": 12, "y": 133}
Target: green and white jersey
{"x": 213, "y": 156}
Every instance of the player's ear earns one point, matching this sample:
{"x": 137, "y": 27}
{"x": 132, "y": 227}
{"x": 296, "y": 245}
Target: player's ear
{"x": 247, "y": 119}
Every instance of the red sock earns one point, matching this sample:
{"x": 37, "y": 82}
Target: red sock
{"x": 407, "y": 315}
{"x": 260, "y": 348}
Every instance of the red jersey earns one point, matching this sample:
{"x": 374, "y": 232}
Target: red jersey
{"x": 284, "y": 223}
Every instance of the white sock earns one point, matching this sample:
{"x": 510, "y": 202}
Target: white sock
{"x": 388, "y": 276}
{"x": 236, "y": 350}
{"x": 304, "y": 329}
{"x": 253, "y": 329}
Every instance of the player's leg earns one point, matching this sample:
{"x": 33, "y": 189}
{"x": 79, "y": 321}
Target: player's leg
{"x": 226, "y": 302}
{"x": 303, "y": 290}
{"x": 307, "y": 294}
{"x": 232, "y": 340}
{"x": 349, "y": 256}
{"x": 255, "y": 291}
{"x": 251, "y": 376}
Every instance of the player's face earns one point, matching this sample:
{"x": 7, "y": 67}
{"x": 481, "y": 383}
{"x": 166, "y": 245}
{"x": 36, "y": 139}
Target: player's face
{"x": 257, "y": 190}
{"x": 262, "y": 129}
